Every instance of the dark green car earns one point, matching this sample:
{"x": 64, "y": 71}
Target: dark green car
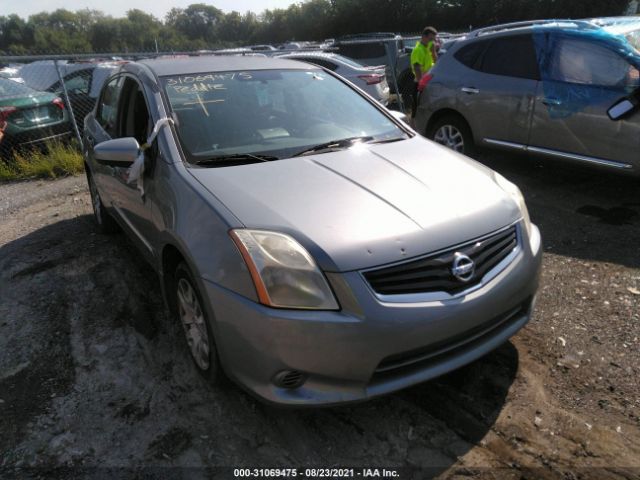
{"x": 30, "y": 118}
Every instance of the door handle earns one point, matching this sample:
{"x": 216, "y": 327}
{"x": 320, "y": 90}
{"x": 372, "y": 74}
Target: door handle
{"x": 470, "y": 90}
{"x": 552, "y": 102}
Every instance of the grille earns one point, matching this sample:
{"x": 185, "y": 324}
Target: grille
{"x": 439, "y": 352}
{"x": 433, "y": 273}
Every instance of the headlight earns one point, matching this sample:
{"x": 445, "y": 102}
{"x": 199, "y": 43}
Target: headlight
{"x": 283, "y": 272}
{"x": 516, "y": 194}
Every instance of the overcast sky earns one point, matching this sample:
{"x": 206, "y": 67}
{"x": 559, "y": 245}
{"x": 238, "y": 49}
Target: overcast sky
{"x": 118, "y": 8}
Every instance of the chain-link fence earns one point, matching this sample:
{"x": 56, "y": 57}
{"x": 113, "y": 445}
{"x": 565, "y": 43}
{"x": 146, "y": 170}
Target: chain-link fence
{"x": 45, "y": 98}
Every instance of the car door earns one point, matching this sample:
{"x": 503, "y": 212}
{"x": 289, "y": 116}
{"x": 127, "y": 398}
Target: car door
{"x": 497, "y": 99}
{"x": 582, "y": 79}
{"x": 130, "y": 119}
{"x": 99, "y": 129}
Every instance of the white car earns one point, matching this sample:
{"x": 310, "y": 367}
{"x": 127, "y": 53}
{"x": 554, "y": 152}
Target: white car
{"x": 370, "y": 79}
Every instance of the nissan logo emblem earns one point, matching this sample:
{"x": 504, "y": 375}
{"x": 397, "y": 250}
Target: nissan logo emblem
{"x": 463, "y": 267}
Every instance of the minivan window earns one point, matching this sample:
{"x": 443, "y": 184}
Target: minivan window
{"x": 589, "y": 63}
{"x": 512, "y": 56}
{"x": 274, "y": 112}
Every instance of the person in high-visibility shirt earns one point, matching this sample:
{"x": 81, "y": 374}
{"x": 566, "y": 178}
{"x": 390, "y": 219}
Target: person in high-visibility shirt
{"x": 423, "y": 57}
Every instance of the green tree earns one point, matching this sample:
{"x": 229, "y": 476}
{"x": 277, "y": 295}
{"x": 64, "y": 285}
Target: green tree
{"x": 197, "y": 22}
{"x": 15, "y": 35}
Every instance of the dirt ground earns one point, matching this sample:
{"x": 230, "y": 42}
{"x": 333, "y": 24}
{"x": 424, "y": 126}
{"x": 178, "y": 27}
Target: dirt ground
{"x": 95, "y": 381}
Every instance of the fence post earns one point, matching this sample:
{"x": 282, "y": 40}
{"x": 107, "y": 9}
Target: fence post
{"x": 68, "y": 102}
{"x": 393, "y": 64}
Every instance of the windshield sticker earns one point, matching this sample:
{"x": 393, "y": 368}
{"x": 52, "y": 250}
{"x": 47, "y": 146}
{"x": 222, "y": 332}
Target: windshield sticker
{"x": 198, "y": 87}
{"x": 195, "y": 84}
{"x": 208, "y": 78}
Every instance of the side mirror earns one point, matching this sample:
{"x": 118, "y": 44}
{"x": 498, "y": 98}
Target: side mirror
{"x": 399, "y": 116}
{"x": 119, "y": 152}
{"x": 620, "y": 109}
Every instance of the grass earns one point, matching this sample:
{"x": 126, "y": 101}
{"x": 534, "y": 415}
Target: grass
{"x": 59, "y": 160}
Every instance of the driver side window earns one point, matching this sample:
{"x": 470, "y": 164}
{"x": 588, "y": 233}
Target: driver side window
{"x": 135, "y": 120}
{"x": 108, "y": 106}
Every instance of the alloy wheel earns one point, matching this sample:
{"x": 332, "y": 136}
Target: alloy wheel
{"x": 193, "y": 323}
{"x": 451, "y": 137}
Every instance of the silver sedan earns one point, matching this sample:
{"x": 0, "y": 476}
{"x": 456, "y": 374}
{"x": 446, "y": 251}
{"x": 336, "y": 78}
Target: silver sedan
{"x": 311, "y": 245}
{"x": 372, "y": 80}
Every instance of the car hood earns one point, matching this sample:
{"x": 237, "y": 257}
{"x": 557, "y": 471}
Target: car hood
{"x": 369, "y": 205}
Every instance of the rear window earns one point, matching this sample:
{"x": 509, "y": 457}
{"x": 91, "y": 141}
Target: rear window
{"x": 513, "y": 56}
{"x": 321, "y": 62}
{"x": 470, "y": 55}
{"x": 10, "y": 88}
{"x": 363, "y": 50}
{"x": 348, "y": 61}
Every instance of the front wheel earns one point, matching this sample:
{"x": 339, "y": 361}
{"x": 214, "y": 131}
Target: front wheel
{"x": 195, "y": 324}
{"x": 454, "y": 133}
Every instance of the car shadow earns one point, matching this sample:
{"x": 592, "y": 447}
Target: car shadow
{"x": 100, "y": 310}
{"x": 426, "y": 427}
{"x": 582, "y": 212}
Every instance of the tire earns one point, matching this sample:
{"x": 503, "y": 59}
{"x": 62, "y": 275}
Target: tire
{"x": 453, "y": 132}
{"x": 195, "y": 323}
{"x": 104, "y": 221}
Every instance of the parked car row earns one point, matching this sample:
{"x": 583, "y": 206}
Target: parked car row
{"x": 543, "y": 88}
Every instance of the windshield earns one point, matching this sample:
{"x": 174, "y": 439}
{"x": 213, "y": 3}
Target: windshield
{"x": 269, "y": 112}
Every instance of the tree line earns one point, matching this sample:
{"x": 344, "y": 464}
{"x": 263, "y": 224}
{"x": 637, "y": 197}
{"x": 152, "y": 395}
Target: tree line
{"x": 203, "y": 26}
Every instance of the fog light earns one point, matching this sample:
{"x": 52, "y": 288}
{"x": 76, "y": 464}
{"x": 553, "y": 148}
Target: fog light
{"x": 289, "y": 379}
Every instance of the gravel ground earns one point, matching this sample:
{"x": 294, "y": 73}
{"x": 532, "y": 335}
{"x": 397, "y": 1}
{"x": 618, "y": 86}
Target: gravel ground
{"x": 94, "y": 378}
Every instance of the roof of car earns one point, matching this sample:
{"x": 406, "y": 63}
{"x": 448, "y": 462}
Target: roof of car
{"x": 311, "y": 53}
{"x": 615, "y": 25}
{"x": 219, "y": 63}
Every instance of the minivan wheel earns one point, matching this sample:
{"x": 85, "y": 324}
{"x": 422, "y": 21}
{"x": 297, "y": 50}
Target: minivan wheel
{"x": 104, "y": 221}
{"x": 194, "y": 322}
{"x": 453, "y": 132}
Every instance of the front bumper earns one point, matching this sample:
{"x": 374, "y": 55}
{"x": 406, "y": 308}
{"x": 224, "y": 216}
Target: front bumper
{"x": 370, "y": 347}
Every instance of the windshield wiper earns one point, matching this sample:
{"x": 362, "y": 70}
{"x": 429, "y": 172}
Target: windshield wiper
{"x": 236, "y": 158}
{"x": 334, "y": 145}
